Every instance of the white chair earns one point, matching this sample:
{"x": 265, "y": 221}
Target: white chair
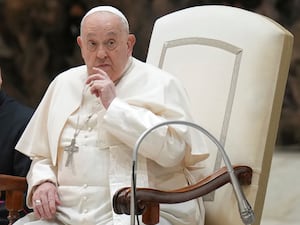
{"x": 234, "y": 66}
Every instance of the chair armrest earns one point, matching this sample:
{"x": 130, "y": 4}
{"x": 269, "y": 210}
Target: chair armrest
{"x": 148, "y": 199}
{"x": 9, "y": 182}
{"x": 14, "y": 188}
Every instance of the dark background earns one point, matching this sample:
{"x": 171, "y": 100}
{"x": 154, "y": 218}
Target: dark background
{"x": 38, "y": 40}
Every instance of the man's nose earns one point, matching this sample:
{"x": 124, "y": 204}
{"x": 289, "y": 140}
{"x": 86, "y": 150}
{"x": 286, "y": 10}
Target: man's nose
{"x": 101, "y": 52}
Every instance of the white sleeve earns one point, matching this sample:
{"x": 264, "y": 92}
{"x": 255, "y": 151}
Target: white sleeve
{"x": 165, "y": 145}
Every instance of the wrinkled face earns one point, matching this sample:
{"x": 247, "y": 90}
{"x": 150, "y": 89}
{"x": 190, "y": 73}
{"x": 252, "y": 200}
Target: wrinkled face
{"x": 105, "y": 43}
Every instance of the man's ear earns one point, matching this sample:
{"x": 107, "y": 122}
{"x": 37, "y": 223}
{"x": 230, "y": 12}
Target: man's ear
{"x": 79, "y": 41}
{"x": 131, "y": 42}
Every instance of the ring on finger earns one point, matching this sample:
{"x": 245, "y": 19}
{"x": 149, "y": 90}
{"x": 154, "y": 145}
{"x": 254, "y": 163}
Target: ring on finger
{"x": 38, "y": 202}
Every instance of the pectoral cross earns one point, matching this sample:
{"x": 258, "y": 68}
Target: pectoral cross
{"x": 70, "y": 149}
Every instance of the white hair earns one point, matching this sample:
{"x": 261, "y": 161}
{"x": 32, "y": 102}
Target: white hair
{"x": 109, "y": 9}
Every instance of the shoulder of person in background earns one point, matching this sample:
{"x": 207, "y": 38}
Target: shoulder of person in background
{"x": 14, "y": 117}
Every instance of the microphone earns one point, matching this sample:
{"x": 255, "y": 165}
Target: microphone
{"x": 245, "y": 210}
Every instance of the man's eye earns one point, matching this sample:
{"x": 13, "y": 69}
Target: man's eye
{"x": 91, "y": 45}
{"x": 111, "y": 44}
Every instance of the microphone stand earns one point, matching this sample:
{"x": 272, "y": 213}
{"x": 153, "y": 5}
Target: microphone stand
{"x": 246, "y": 212}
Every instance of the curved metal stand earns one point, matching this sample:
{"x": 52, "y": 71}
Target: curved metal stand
{"x": 246, "y": 212}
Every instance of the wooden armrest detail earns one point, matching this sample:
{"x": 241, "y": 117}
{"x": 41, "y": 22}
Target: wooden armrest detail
{"x": 9, "y": 182}
{"x": 149, "y": 199}
{"x": 14, "y": 188}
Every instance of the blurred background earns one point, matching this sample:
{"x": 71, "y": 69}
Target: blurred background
{"x": 38, "y": 41}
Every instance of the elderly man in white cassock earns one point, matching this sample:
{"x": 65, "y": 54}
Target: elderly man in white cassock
{"x": 84, "y": 130}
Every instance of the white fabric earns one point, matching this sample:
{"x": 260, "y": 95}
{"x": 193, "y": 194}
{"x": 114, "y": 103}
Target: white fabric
{"x": 233, "y": 64}
{"x": 77, "y": 184}
{"x": 146, "y": 96}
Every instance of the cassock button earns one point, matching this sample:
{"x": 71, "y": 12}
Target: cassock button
{"x": 84, "y": 198}
{"x": 85, "y": 211}
{"x": 85, "y": 185}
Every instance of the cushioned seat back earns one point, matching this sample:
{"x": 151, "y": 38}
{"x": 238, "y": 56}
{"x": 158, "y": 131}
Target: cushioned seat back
{"x": 234, "y": 65}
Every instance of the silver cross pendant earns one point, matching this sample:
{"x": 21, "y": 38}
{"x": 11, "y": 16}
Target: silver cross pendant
{"x": 70, "y": 149}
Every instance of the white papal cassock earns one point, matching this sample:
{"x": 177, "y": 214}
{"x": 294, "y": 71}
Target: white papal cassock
{"x": 146, "y": 96}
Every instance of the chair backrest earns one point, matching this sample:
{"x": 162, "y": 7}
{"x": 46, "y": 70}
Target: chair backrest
{"x": 234, "y": 65}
